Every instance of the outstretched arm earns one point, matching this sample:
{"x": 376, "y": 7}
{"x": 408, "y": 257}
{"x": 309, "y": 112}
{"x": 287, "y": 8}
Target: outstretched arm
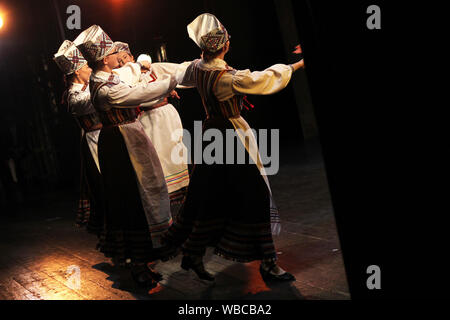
{"x": 269, "y": 81}
{"x": 173, "y": 69}
{"x": 122, "y": 95}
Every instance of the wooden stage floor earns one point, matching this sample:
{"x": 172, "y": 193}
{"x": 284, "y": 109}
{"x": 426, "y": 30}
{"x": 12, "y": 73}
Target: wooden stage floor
{"x": 38, "y": 247}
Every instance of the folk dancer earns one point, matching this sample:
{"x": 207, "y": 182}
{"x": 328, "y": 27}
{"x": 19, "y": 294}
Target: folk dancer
{"x": 77, "y": 98}
{"x": 228, "y": 206}
{"x": 161, "y": 123}
{"x": 137, "y": 201}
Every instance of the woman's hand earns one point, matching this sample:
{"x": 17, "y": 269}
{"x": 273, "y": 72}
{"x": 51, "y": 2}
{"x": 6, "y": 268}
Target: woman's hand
{"x": 145, "y": 64}
{"x": 174, "y": 95}
{"x": 298, "y": 65}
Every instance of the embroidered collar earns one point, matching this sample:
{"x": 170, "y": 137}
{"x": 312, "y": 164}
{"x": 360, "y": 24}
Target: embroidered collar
{"x": 102, "y": 75}
{"x": 216, "y": 63}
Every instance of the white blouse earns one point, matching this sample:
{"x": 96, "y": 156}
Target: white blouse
{"x": 269, "y": 81}
{"x": 131, "y": 74}
{"x": 122, "y": 95}
{"x": 79, "y": 100}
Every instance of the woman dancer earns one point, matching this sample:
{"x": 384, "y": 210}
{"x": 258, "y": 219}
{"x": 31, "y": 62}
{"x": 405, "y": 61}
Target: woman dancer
{"x": 160, "y": 120}
{"x": 228, "y": 206}
{"x": 78, "y": 99}
{"x": 137, "y": 201}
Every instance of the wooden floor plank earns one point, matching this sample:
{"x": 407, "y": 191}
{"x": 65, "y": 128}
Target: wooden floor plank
{"x": 36, "y": 252}
{"x": 44, "y": 287}
{"x": 12, "y": 290}
{"x": 58, "y": 270}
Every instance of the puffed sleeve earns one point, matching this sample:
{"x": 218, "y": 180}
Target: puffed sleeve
{"x": 79, "y": 103}
{"x": 123, "y": 95}
{"x": 130, "y": 73}
{"x": 185, "y": 74}
{"x": 161, "y": 68}
{"x": 174, "y": 69}
{"x": 269, "y": 81}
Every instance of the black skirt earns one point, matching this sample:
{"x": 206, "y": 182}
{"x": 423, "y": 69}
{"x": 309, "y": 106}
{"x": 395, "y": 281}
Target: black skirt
{"x": 91, "y": 206}
{"x": 126, "y": 232}
{"x": 227, "y": 207}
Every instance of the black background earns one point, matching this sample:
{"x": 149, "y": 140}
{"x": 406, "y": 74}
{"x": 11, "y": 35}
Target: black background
{"x": 374, "y": 122}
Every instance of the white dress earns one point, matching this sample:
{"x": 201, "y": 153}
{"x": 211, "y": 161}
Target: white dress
{"x": 163, "y": 124}
{"x": 114, "y": 93}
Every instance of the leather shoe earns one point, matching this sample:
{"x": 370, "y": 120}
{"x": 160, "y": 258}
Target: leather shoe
{"x": 187, "y": 263}
{"x": 267, "y": 276}
{"x": 143, "y": 277}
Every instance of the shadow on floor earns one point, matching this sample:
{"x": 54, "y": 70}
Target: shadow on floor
{"x": 249, "y": 285}
{"x": 122, "y": 280}
{"x": 246, "y": 284}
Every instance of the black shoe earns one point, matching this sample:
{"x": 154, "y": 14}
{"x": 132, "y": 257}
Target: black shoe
{"x": 143, "y": 277}
{"x": 187, "y": 263}
{"x": 168, "y": 252}
{"x": 267, "y": 276}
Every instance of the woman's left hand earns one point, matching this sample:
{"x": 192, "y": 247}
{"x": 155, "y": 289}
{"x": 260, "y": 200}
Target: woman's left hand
{"x": 174, "y": 95}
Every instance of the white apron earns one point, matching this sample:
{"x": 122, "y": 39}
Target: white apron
{"x": 159, "y": 124}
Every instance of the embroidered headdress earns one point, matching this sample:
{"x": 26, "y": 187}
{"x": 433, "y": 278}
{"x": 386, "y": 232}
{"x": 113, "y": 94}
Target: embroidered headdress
{"x": 208, "y": 33}
{"x": 94, "y": 43}
{"x": 122, "y": 46}
{"x": 68, "y": 58}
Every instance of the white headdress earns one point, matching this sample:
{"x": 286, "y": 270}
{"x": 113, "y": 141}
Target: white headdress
{"x": 208, "y": 33}
{"x": 94, "y": 43}
{"x": 68, "y": 58}
{"x": 122, "y": 46}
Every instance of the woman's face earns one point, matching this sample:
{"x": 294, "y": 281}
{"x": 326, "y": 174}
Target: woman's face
{"x": 84, "y": 73}
{"x": 112, "y": 60}
{"x": 124, "y": 57}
